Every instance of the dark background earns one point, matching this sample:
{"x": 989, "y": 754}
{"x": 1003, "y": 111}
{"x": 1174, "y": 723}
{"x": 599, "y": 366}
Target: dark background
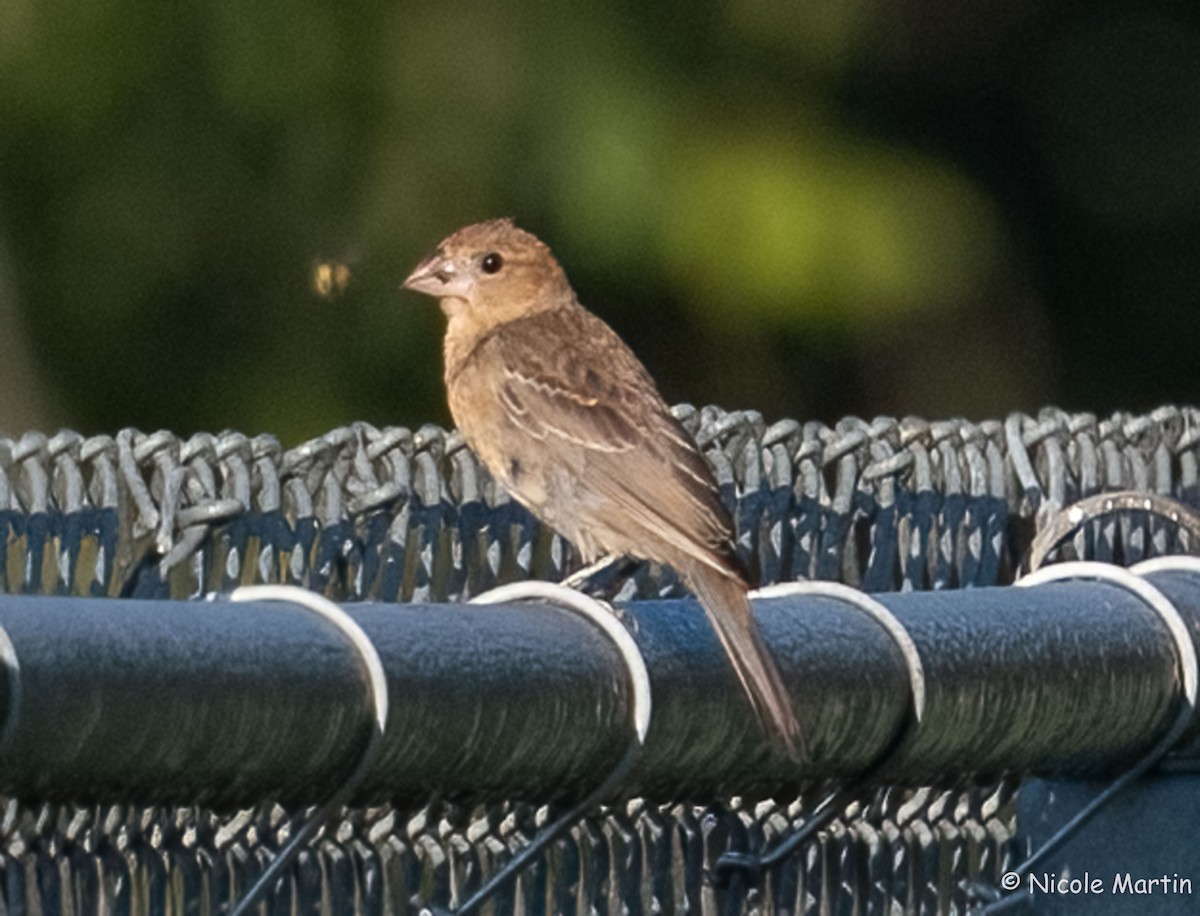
{"x": 810, "y": 209}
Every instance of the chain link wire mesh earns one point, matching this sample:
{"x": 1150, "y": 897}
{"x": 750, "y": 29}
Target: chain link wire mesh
{"x": 395, "y": 515}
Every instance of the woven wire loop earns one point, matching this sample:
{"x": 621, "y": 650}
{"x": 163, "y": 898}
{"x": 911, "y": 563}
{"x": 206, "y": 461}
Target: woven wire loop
{"x": 363, "y": 513}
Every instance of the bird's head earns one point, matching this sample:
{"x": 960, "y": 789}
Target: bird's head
{"x": 493, "y": 272}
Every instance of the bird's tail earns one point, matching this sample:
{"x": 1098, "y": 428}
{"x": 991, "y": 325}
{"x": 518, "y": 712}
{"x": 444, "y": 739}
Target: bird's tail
{"x": 725, "y": 601}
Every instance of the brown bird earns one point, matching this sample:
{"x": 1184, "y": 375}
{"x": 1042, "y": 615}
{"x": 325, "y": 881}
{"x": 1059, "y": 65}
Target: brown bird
{"x": 563, "y": 414}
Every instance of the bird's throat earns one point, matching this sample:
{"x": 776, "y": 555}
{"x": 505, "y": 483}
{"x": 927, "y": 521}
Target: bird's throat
{"x": 452, "y": 306}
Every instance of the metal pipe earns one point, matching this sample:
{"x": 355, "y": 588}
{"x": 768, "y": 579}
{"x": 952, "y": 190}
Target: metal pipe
{"x": 224, "y": 704}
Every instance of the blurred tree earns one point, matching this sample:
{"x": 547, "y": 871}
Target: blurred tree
{"x": 26, "y": 401}
{"x": 851, "y": 207}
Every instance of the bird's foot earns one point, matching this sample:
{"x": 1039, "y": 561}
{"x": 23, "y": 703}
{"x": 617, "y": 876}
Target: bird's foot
{"x": 602, "y": 579}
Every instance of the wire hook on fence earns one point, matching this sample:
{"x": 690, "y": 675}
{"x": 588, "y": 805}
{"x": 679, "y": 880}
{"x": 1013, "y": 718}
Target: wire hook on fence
{"x": 838, "y": 799}
{"x": 560, "y": 596}
{"x": 988, "y": 898}
{"x": 377, "y": 688}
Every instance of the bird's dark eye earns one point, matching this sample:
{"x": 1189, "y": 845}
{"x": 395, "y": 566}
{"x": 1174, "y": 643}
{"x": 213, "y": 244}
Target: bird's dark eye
{"x": 492, "y": 263}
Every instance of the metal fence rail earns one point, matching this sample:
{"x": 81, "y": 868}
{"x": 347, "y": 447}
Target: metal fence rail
{"x": 230, "y": 703}
{"x": 393, "y": 515}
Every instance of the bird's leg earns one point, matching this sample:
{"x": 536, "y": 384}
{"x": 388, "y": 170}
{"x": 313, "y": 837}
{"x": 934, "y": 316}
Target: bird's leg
{"x": 578, "y": 579}
{"x": 605, "y": 575}
{"x": 604, "y": 579}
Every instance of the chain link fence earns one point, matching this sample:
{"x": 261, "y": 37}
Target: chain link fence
{"x": 396, "y": 515}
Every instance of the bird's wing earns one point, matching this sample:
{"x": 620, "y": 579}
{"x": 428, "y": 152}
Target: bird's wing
{"x": 593, "y": 393}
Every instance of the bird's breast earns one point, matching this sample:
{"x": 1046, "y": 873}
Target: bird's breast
{"x": 514, "y": 458}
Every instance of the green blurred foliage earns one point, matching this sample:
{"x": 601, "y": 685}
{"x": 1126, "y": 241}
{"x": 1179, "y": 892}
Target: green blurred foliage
{"x": 808, "y": 209}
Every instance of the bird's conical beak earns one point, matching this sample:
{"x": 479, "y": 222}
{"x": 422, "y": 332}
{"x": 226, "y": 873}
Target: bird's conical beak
{"x": 437, "y": 276}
